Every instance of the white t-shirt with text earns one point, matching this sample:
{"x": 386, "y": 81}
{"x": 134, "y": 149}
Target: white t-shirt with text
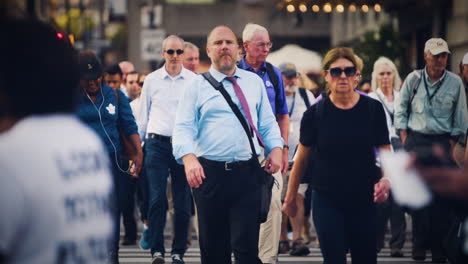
{"x": 55, "y": 187}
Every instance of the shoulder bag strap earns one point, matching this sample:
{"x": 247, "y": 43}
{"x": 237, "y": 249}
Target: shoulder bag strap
{"x": 274, "y": 80}
{"x": 303, "y": 93}
{"x": 218, "y": 86}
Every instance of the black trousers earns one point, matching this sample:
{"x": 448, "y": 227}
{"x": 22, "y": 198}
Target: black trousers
{"x": 339, "y": 229}
{"x": 431, "y": 223}
{"x": 127, "y": 205}
{"x": 228, "y": 203}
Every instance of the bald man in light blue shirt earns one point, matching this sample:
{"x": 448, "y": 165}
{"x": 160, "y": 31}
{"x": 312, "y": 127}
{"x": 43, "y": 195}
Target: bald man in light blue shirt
{"x": 214, "y": 148}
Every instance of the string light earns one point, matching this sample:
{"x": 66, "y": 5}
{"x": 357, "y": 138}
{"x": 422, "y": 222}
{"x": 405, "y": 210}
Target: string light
{"x": 315, "y": 8}
{"x": 327, "y": 8}
{"x": 377, "y": 8}
{"x": 365, "y": 8}
{"x": 340, "y": 8}
{"x": 303, "y": 8}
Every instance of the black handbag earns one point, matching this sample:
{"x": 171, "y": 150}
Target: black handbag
{"x": 265, "y": 179}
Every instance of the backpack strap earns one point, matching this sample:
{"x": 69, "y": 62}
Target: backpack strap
{"x": 274, "y": 80}
{"x": 414, "y": 84}
{"x": 303, "y": 93}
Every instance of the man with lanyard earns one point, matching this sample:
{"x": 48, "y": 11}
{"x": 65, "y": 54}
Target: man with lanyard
{"x": 257, "y": 47}
{"x": 298, "y": 100}
{"x": 431, "y": 110}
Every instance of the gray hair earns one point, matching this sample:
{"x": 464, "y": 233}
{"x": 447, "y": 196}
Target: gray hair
{"x": 249, "y": 31}
{"x": 396, "y": 76}
{"x": 190, "y": 45}
{"x": 171, "y": 37}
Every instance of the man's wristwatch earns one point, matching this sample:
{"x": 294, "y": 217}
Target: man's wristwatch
{"x": 285, "y": 147}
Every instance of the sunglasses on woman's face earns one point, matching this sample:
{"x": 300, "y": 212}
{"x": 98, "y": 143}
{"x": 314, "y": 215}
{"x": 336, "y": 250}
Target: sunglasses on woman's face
{"x": 171, "y": 51}
{"x": 336, "y": 72}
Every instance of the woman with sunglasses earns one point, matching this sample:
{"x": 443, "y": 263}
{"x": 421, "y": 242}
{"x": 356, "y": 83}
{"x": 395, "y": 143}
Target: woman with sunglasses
{"x": 337, "y": 141}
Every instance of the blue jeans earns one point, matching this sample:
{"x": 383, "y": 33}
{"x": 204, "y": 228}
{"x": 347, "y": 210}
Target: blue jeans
{"x": 340, "y": 229}
{"x": 159, "y": 164}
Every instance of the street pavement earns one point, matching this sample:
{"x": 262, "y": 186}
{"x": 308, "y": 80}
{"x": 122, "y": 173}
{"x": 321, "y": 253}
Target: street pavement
{"x": 133, "y": 254}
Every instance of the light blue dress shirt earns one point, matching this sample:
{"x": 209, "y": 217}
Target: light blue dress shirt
{"x": 207, "y": 127}
{"x": 446, "y": 113}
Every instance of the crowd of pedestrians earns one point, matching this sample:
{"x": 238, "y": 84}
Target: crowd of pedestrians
{"x": 108, "y": 140}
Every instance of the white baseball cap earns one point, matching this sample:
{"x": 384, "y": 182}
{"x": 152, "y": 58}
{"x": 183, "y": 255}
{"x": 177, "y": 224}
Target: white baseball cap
{"x": 436, "y": 46}
{"x": 465, "y": 59}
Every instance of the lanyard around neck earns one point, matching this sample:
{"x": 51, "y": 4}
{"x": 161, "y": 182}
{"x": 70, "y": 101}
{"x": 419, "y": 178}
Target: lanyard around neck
{"x": 292, "y": 104}
{"x": 427, "y": 89}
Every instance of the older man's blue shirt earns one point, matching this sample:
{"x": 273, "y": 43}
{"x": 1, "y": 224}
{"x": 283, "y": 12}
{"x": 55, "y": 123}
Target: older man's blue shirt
{"x": 271, "y": 92}
{"x": 207, "y": 127}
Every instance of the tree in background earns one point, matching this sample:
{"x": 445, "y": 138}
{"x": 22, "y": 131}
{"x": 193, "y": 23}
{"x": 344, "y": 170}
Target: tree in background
{"x": 383, "y": 42}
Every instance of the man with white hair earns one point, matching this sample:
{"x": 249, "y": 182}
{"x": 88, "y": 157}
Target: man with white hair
{"x": 257, "y": 46}
{"x": 126, "y": 67}
{"x": 431, "y": 110}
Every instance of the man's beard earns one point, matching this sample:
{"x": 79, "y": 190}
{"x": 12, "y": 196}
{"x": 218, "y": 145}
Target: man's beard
{"x": 290, "y": 88}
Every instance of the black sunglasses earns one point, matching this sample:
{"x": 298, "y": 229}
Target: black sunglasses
{"x": 336, "y": 72}
{"x": 171, "y": 51}
{"x": 141, "y": 84}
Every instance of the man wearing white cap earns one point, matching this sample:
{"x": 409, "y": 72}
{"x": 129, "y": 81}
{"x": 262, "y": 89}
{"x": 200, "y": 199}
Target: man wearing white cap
{"x": 431, "y": 110}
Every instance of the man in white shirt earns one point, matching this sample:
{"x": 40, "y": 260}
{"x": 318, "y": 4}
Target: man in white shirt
{"x": 159, "y": 100}
{"x": 55, "y": 183}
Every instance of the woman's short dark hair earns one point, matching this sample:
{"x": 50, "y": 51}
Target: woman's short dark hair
{"x": 39, "y": 69}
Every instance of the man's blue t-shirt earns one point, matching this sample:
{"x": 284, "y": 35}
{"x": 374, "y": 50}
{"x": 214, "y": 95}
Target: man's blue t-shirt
{"x": 262, "y": 73}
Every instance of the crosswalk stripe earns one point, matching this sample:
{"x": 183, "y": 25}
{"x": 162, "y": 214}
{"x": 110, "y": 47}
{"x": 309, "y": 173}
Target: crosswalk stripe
{"x": 133, "y": 254}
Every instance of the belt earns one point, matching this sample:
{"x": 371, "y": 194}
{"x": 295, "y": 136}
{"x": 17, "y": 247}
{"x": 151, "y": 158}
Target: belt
{"x": 226, "y": 165}
{"x": 160, "y": 137}
{"x": 429, "y": 136}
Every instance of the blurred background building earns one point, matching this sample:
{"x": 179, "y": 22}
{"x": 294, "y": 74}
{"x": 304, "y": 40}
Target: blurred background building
{"x": 134, "y": 29}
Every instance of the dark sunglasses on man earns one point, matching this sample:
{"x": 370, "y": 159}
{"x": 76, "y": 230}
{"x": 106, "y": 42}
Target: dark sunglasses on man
{"x": 336, "y": 72}
{"x": 171, "y": 51}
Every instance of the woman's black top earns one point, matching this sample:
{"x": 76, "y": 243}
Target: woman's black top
{"x": 343, "y": 144}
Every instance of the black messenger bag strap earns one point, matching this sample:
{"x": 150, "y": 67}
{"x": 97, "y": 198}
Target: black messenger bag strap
{"x": 218, "y": 86}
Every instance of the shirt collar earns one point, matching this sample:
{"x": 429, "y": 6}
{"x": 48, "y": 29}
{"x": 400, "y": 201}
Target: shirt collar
{"x": 249, "y": 68}
{"x": 219, "y": 76}
{"x": 441, "y": 79}
{"x": 165, "y": 75}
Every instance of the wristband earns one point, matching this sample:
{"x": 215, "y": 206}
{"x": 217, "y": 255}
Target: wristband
{"x": 285, "y": 146}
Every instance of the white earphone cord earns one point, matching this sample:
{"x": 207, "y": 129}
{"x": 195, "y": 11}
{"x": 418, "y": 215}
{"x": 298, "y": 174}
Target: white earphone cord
{"x": 105, "y": 131}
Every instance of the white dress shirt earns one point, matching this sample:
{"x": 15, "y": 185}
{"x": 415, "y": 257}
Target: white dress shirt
{"x": 159, "y": 100}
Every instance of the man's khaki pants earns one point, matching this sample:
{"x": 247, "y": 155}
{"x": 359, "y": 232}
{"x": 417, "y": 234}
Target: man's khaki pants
{"x": 270, "y": 230}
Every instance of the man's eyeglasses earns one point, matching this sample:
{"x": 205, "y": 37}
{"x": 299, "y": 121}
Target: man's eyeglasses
{"x": 336, "y": 72}
{"x": 171, "y": 51}
{"x": 263, "y": 44}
